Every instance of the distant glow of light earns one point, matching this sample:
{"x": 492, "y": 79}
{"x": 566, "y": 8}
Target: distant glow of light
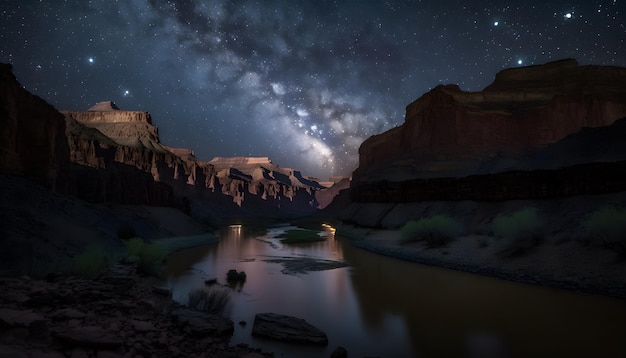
{"x": 568, "y": 15}
{"x": 90, "y": 59}
{"x": 519, "y": 62}
{"x": 496, "y": 23}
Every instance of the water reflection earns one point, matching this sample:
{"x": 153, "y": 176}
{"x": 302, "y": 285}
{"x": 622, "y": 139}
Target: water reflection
{"x": 386, "y": 307}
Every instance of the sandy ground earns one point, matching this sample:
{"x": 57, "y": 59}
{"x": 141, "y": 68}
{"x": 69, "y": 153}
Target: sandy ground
{"x": 555, "y": 262}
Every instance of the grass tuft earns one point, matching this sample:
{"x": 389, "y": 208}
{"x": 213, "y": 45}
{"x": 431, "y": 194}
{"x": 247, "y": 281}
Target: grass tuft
{"x": 214, "y": 300}
{"x": 90, "y": 263}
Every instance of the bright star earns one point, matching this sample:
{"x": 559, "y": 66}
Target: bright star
{"x": 126, "y": 93}
{"x": 519, "y": 62}
{"x": 496, "y": 23}
{"x": 90, "y": 59}
{"x": 568, "y": 15}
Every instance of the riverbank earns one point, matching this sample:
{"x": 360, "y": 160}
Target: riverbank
{"x": 554, "y": 263}
{"x": 120, "y": 314}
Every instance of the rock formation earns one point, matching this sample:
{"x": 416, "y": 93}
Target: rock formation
{"x": 447, "y": 131}
{"x": 32, "y": 135}
{"x": 105, "y": 137}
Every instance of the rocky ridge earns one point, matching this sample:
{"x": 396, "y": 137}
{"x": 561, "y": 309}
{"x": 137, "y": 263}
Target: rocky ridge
{"x": 447, "y": 131}
{"x": 105, "y": 137}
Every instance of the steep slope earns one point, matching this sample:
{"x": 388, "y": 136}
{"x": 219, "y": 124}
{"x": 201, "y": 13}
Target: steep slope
{"x": 105, "y": 136}
{"x": 32, "y": 135}
{"x": 448, "y": 131}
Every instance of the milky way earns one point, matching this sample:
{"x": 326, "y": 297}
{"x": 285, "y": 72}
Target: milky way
{"x": 303, "y": 82}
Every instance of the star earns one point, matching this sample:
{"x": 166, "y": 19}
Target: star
{"x": 568, "y": 15}
{"x": 496, "y": 23}
{"x": 90, "y": 60}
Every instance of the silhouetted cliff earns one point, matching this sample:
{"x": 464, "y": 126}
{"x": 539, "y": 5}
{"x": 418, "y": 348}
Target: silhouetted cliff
{"x": 32, "y": 135}
{"x": 447, "y": 131}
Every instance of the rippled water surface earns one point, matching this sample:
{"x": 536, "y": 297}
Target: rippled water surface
{"x": 380, "y": 306}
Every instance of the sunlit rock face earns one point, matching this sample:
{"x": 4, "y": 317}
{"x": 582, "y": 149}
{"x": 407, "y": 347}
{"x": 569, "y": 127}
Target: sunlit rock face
{"x": 447, "y": 131}
{"x": 32, "y": 135}
{"x": 104, "y": 136}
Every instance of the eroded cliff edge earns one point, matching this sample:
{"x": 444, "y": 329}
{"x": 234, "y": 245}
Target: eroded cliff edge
{"x": 450, "y": 132}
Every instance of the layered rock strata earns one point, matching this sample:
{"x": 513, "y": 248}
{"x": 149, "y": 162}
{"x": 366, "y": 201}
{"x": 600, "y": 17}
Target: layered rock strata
{"x": 447, "y": 130}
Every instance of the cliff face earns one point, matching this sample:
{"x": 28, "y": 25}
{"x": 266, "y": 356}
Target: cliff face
{"x": 32, "y": 135}
{"x": 106, "y": 137}
{"x": 447, "y": 130}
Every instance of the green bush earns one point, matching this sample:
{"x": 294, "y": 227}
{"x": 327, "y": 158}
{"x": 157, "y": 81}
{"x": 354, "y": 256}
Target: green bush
{"x": 214, "y": 300}
{"x": 608, "y": 225}
{"x": 90, "y": 263}
{"x": 134, "y": 246}
{"x": 520, "y": 231}
{"x": 300, "y": 236}
{"x": 150, "y": 255}
{"x": 436, "y": 231}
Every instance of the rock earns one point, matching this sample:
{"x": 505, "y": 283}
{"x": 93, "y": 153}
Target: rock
{"x": 89, "y": 336}
{"x": 68, "y": 313}
{"x": 202, "y": 323}
{"x": 339, "y": 352}
{"x": 32, "y": 139}
{"x": 161, "y": 290}
{"x": 287, "y": 329}
{"x": 446, "y": 129}
{"x": 233, "y": 275}
{"x": 8, "y": 352}
{"x": 17, "y": 318}
{"x": 142, "y": 326}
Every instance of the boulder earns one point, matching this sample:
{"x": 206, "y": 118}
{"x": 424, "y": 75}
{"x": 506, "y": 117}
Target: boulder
{"x": 203, "y": 324}
{"x": 89, "y": 336}
{"x": 287, "y": 329}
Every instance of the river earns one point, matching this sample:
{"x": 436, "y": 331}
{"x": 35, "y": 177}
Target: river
{"x": 380, "y": 306}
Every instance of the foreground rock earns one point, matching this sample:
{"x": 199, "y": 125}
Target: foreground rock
{"x": 69, "y": 316}
{"x": 287, "y": 329}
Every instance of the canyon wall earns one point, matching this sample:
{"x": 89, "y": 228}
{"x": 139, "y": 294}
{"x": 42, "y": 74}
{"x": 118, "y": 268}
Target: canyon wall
{"x": 447, "y": 130}
{"x": 32, "y": 135}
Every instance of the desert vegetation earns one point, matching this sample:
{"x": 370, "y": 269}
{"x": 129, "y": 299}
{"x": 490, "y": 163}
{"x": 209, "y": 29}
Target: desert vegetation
{"x": 212, "y": 300}
{"x": 608, "y": 227}
{"x": 518, "y": 232}
{"x": 437, "y": 230}
{"x": 90, "y": 263}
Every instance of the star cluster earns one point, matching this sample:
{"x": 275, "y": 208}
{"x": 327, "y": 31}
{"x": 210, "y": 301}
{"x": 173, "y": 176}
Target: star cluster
{"x": 303, "y": 82}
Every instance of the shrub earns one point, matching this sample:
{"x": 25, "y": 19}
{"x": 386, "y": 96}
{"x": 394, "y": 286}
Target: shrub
{"x": 609, "y": 226}
{"x": 520, "y": 230}
{"x": 90, "y": 263}
{"x": 134, "y": 246}
{"x": 300, "y": 236}
{"x": 214, "y": 300}
{"x": 437, "y": 230}
{"x": 150, "y": 254}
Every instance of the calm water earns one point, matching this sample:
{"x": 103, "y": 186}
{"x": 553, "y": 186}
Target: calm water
{"x": 380, "y": 306}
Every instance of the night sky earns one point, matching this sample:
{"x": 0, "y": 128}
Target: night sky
{"x": 303, "y": 82}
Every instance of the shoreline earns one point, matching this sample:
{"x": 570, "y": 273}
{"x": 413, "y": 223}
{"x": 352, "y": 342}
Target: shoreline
{"x": 533, "y": 268}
